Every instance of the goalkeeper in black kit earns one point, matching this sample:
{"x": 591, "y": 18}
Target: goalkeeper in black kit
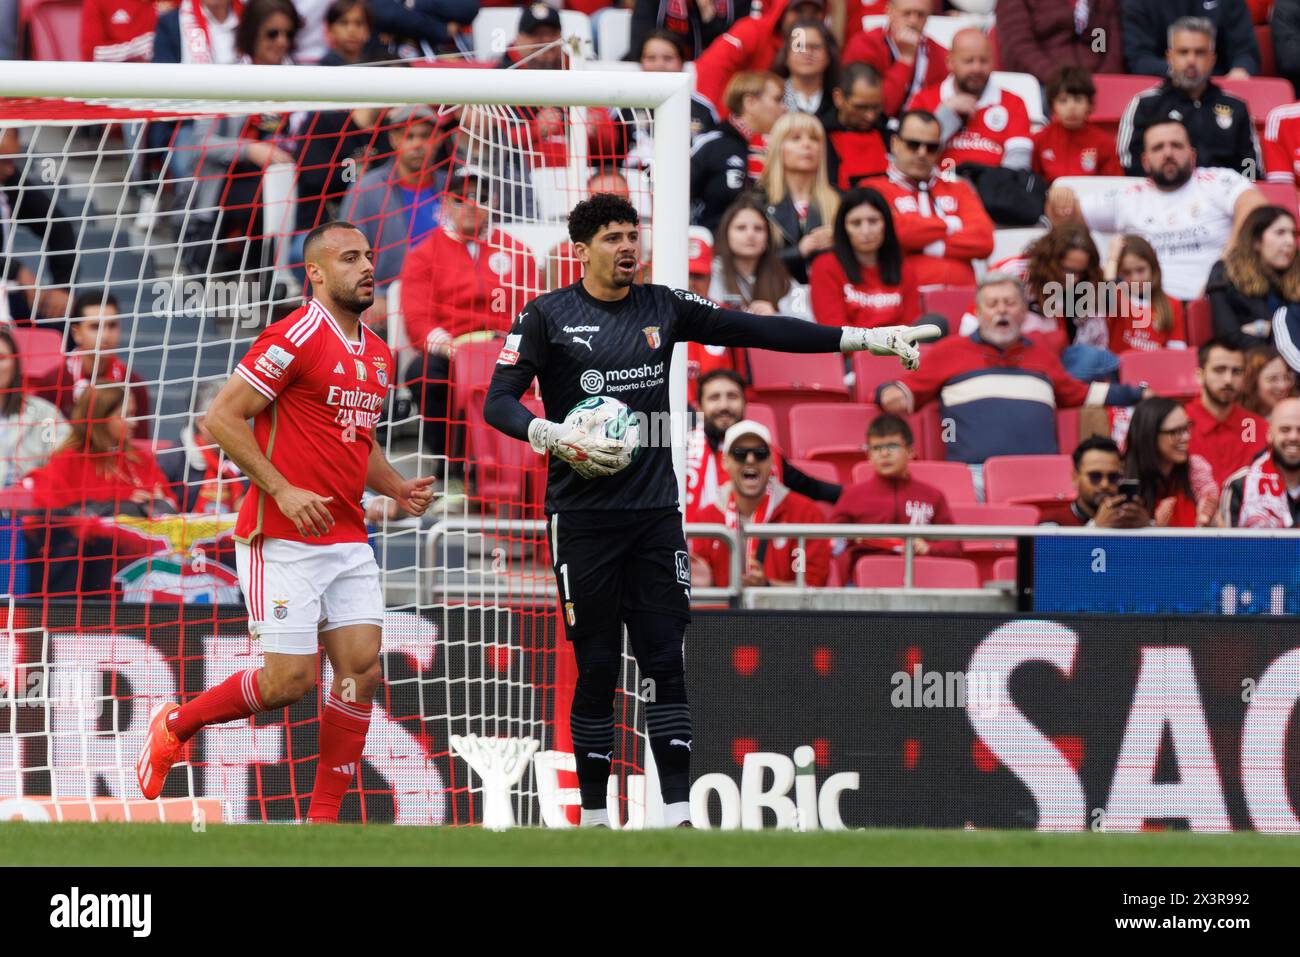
{"x": 614, "y": 528}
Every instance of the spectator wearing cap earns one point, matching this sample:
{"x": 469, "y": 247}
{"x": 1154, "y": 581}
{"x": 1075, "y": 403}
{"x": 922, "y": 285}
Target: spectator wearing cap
{"x": 692, "y": 24}
{"x": 1039, "y": 36}
{"x": 1266, "y": 493}
{"x": 1223, "y": 433}
{"x": 753, "y": 496}
{"x": 1219, "y": 125}
{"x": 96, "y": 332}
{"x": 891, "y": 496}
{"x": 861, "y": 282}
{"x": 1000, "y": 389}
{"x": 1148, "y": 27}
{"x": 905, "y": 58}
{"x": 727, "y": 160}
{"x": 202, "y": 478}
{"x": 1098, "y": 469}
{"x": 979, "y": 121}
{"x": 720, "y": 398}
{"x": 467, "y": 279}
{"x": 941, "y": 223}
{"x": 397, "y": 204}
{"x": 749, "y": 46}
{"x": 855, "y": 141}
{"x": 536, "y": 46}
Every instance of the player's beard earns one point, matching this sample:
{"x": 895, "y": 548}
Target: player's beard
{"x": 354, "y": 300}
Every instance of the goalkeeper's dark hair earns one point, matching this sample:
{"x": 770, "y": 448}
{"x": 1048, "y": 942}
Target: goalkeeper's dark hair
{"x": 592, "y": 215}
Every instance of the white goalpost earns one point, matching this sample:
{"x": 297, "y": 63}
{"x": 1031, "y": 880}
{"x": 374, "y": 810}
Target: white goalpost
{"x": 472, "y": 647}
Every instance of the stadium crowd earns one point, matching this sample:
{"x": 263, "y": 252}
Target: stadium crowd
{"x": 1117, "y": 354}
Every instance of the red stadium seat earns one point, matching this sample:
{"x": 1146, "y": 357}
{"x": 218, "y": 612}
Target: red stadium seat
{"x": 985, "y": 552}
{"x": 1169, "y": 372}
{"x": 1067, "y": 430}
{"x": 1004, "y": 569}
{"x": 1114, "y": 92}
{"x": 1261, "y": 93}
{"x": 500, "y": 464}
{"x": 949, "y": 301}
{"x": 871, "y": 371}
{"x": 1017, "y": 479}
{"x": 1280, "y": 194}
{"x": 835, "y": 434}
{"x": 54, "y": 29}
{"x": 887, "y": 571}
{"x": 1200, "y": 327}
{"x": 784, "y": 380}
{"x": 824, "y": 472}
{"x": 1267, "y": 60}
{"x": 927, "y": 431}
{"x": 762, "y": 413}
{"x": 40, "y": 350}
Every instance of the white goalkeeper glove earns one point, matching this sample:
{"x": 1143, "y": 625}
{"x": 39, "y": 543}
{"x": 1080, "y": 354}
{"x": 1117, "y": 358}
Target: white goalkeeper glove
{"x": 889, "y": 341}
{"x": 589, "y": 456}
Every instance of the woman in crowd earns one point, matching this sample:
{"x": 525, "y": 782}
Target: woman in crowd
{"x": 1268, "y": 380}
{"x": 1176, "y": 487}
{"x": 1147, "y": 318}
{"x": 861, "y": 283}
{"x": 1064, "y": 283}
{"x": 801, "y": 203}
{"x": 808, "y": 62}
{"x": 30, "y": 427}
{"x": 97, "y": 466}
{"x": 747, "y": 273}
{"x": 1257, "y": 275}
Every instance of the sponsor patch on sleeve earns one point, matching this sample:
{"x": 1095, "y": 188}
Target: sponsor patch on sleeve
{"x": 509, "y": 351}
{"x": 281, "y": 357}
{"x": 268, "y": 368}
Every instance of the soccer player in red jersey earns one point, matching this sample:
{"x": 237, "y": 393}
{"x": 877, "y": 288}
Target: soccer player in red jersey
{"x": 313, "y": 384}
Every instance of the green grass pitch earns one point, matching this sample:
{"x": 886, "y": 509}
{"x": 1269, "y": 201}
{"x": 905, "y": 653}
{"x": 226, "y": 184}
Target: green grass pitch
{"x": 253, "y": 845}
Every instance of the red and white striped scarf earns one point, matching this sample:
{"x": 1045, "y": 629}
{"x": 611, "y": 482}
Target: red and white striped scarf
{"x": 196, "y": 41}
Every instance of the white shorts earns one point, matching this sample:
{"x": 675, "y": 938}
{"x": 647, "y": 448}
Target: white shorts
{"x": 295, "y": 591}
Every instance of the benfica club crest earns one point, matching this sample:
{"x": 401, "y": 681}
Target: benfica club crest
{"x": 1088, "y": 160}
{"x": 381, "y": 371}
{"x": 281, "y": 608}
{"x": 652, "y": 336}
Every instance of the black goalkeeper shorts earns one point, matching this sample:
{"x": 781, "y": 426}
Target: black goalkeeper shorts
{"x": 610, "y": 566}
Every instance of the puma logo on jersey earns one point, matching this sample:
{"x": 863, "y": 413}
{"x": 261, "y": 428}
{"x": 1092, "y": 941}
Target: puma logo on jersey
{"x": 586, "y": 342}
{"x": 684, "y": 744}
{"x": 601, "y": 757}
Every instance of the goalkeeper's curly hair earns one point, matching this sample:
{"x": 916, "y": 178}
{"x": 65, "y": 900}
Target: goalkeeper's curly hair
{"x": 592, "y": 215}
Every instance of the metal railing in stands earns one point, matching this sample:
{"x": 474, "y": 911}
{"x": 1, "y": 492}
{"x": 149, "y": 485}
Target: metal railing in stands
{"x": 737, "y": 538}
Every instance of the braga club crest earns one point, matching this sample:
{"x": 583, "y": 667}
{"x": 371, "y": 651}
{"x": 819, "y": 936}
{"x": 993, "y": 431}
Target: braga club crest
{"x": 652, "y": 336}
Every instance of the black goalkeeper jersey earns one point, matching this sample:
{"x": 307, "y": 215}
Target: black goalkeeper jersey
{"x": 578, "y": 346}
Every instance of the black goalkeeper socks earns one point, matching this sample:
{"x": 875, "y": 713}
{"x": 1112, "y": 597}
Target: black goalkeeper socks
{"x": 593, "y": 747}
{"x": 669, "y": 728}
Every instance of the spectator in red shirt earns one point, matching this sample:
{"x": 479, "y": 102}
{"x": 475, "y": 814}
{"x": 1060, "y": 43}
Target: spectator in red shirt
{"x": 96, "y": 335}
{"x": 749, "y": 46}
{"x": 855, "y": 140}
{"x": 120, "y": 31}
{"x": 941, "y": 224}
{"x": 1098, "y": 469}
{"x": 861, "y": 282}
{"x": 1176, "y": 486}
{"x": 891, "y": 497}
{"x": 1069, "y": 145}
{"x": 1266, "y": 494}
{"x": 980, "y": 121}
{"x": 754, "y": 497}
{"x": 465, "y": 281}
{"x": 1147, "y": 318}
{"x": 1223, "y": 433}
{"x": 1267, "y": 382}
{"x": 906, "y": 59}
{"x": 1037, "y": 36}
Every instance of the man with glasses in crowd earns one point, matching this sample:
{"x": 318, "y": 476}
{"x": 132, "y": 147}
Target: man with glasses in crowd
{"x": 941, "y": 223}
{"x": 855, "y": 142}
{"x": 1098, "y": 469}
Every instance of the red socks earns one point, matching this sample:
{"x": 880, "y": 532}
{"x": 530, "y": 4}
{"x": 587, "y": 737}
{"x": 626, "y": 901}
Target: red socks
{"x": 343, "y": 727}
{"x": 236, "y": 697}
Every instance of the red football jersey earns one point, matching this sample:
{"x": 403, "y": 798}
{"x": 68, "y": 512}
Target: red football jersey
{"x": 1281, "y": 145}
{"x": 1000, "y": 122}
{"x": 1087, "y": 151}
{"x": 326, "y": 396}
